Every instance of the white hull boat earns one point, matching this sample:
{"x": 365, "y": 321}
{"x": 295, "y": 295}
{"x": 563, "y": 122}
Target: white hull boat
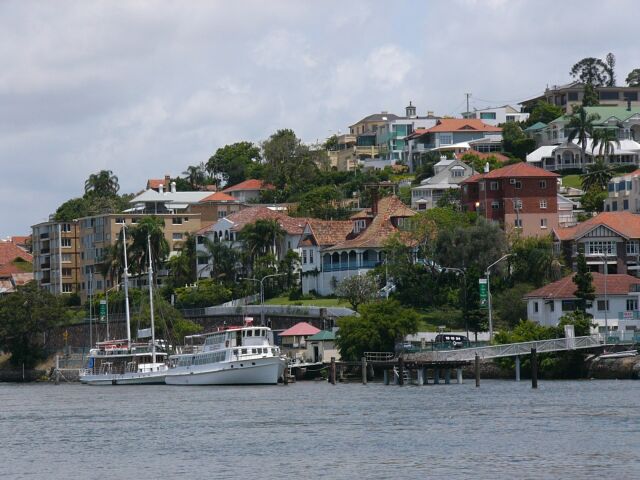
{"x": 261, "y": 371}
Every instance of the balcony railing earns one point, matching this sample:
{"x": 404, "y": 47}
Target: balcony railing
{"x": 340, "y": 267}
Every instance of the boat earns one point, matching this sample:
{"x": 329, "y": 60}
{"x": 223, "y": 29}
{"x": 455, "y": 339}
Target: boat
{"x": 623, "y": 354}
{"x": 122, "y": 362}
{"x": 235, "y": 355}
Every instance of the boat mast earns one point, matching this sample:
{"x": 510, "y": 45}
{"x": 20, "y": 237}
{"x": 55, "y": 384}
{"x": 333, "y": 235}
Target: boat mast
{"x": 153, "y": 328}
{"x": 126, "y": 286}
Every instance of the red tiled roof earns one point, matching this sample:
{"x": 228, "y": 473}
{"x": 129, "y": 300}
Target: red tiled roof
{"x": 9, "y": 269}
{"x": 381, "y": 227}
{"x": 302, "y": 328}
{"x": 617, "y": 284}
{"x": 330, "y": 232}
{"x": 21, "y": 278}
{"x": 251, "y": 184}
{"x": 462, "y": 124}
{"x": 154, "y": 183}
{"x": 364, "y": 213}
{"x": 9, "y": 251}
{"x": 517, "y": 170}
{"x": 625, "y": 223}
{"x": 218, "y": 197}
{"x": 292, "y": 225}
{"x": 204, "y": 229}
{"x": 20, "y": 239}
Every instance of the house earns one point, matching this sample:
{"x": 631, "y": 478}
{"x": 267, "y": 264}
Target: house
{"x": 447, "y": 176}
{"x": 497, "y": 115}
{"x": 294, "y": 339}
{"x": 216, "y": 206}
{"x": 321, "y": 347}
{"x": 361, "y": 250}
{"x": 611, "y": 238}
{"x": 15, "y": 266}
{"x": 248, "y": 191}
{"x": 449, "y": 131}
{"x": 570, "y": 95}
{"x": 517, "y": 196}
{"x": 624, "y": 193}
{"x": 615, "y": 305}
{"x": 158, "y": 184}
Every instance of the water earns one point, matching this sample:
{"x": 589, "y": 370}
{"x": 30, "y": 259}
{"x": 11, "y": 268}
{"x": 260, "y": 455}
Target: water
{"x": 584, "y": 429}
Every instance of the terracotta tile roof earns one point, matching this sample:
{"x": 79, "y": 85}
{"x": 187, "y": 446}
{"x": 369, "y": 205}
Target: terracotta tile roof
{"x": 381, "y": 227}
{"x": 364, "y": 213}
{"x": 499, "y": 156}
{"x": 330, "y": 232}
{"x": 204, "y": 229}
{"x": 251, "y": 184}
{"x": 625, "y": 223}
{"x": 218, "y": 197}
{"x": 21, "y": 278}
{"x": 9, "y": 251}
{"x": 617, "y": 284}
{"x": 24, "y": 239}
{"x": 292, "y": 225}
{"x": 154, "y": 183}
{"x": 462, "y": 124}
{"x": 517, "y": 170}
{"x": 9, "y": 269}
{"x": 302, "y": 328}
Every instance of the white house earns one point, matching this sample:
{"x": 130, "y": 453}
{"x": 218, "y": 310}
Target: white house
{"x": 616, "y": 303}
{"x": 447, "y": 175}
{"x": 497, "y": 115}
{"x": 624, "y": 193}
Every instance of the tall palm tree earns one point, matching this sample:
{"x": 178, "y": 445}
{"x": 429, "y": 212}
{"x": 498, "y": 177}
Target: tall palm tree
{"x": 262, "y": 237}
{"x": 196, "y": 176}
{"x": 597, "y": 176}
{"x": 581, "y": 128}
{"x": 223, "y": 259}
{"x": 148, "y": 226}
{"x": 607, "y": 140}
{"x": 112, "y": 264}
{"x": 103, "y": 183}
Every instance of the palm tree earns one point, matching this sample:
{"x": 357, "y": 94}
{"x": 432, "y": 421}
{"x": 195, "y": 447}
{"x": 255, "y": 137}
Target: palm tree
{"x": 223, "y": 259}
{"x": 103, "y": 183}
{"x": 196, "y": 176}
{"x": 581, "y": 128}
{"x": 112, "y": 264}
{"x": 262, "y": 237}
{"x": 597, "y": 176}
{"x": 148, "y": 226}
{"x": 607, "y": 139}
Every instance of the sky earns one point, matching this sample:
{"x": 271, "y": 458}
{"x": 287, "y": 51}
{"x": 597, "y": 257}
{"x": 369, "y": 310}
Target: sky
{"x": 147, "y": 88}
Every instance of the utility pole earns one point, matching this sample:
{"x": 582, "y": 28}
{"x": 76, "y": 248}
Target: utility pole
{"x": 467, "y": 95}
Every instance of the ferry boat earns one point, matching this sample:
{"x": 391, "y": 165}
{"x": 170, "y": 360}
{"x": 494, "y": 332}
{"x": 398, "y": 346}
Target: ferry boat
{"x": 241, "y": 355}
{"x": 121, "y": 362}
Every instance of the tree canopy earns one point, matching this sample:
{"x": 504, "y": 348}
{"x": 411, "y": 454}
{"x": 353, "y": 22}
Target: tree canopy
{"x": 357, "y": 289}
{"x": 594, "y": 71}
{"x": 633, "y": 79}
{"x": 234, "y": 163}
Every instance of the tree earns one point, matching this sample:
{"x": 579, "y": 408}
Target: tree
{"x": 233, "y": 163}
{"x": 593, "y": 200}
{"x": 533, "y": 261}
{"x": 169, "y": 322}
{"x": 590, "y": 96}
{"x": 196, "y": 175}
{"x": 149, "y": 226}
{"x": 377, "y": 329}
{"x": 322, "y": 202}
{"x": 582, "y": 323}
{"x": 585, "y": 291}
{"x": 592, "y": 71}
{"x": 478, "y": 163}
{"x": 515, "y": 141}
{"x": 72, "y": 209}
{"x": 206, "y": 293}
{"x": 331, "y": 143}
{"x": 509, "y": 307}
{"x": 357, "y": 289}
{"x": 580, "y": 128}
{"x": 26, "y": 318}
{"x": 262, "y": 237}
{"x": 288, "y": 163}
{"x": 610, "y": 68}
{"x": 103, "y": 183}
{"x": 222, "y": 259}
{"x": 597, "y": 176}
{"x": 607, "y": 140}
{"x": 544, "y": 112}
{"x": 633, "y": 79}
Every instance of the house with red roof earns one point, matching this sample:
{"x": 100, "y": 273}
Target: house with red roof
{"x": 609, "y": 238}
{"x": 294, "y": 340}
{"x": 249, "y": 190}
{"x": 15, "y": 266}
{"x": 615, "y": 305}
{"x": 518, "y": 196}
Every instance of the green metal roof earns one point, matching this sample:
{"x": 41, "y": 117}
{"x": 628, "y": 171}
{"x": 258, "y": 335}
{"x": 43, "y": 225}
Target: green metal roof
{"x": 535, "y": 126}
{"x": 322, "y": 336}
{"x": 605, "y": 113}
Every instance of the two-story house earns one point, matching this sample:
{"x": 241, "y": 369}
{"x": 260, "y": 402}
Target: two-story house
{"x": 517, "y": 196}
{"x": 497, "y": 115}
{"x": 624, "y": 193}
{"x": 248, "y": 191}
{"x": 447, "y": 176}
{"x": 609, "y": 238}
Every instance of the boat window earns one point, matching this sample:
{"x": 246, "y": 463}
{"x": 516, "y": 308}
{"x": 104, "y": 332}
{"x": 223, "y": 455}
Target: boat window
{"x": 255, "y": 350}
{"x": 235, "y": 351}
{"x": 244, "y": 351}
{"x": 249, "y": 333}
{"x": 273, "y": 351}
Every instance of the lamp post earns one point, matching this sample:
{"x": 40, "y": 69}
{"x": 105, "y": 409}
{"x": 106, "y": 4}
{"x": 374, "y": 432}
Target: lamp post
{"x": 261, "y": 282}
{"x": 605, "y": 264}
{"x": 488, "y": 274}
{"x": 464, "y": 279}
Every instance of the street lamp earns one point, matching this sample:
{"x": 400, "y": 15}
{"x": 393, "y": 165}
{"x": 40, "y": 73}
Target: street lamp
{"x": 261, "y": 282}
{"x": 464, "y": 279}
{"x": 605, "y": 263}
{"x": 488, "y": 274}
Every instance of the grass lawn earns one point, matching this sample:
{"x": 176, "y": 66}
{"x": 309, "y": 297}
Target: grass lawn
{"x": 572, "y": 181}
{"x": 318, "y": 302}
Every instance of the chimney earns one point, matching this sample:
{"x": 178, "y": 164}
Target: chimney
{"x": 410, "y": 110}
{"x": 486, "y": 167}
{"x": 173, "y": 187}
{"x": 167, "y": 179}
{"x": 160, "y": 188}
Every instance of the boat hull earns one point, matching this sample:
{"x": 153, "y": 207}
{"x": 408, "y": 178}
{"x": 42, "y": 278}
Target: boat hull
{"x": 138, "y": 378}
{"x": 262, "y": 371}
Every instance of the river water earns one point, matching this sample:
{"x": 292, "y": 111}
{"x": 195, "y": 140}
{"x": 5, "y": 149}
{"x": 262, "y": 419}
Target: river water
{"x": 583, "y": 429}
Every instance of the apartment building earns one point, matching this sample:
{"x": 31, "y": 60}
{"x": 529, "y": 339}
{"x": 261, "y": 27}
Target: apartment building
{"x": 447, "y": 176}
{"x": 624, "y": 193}
{"x": 517, "y": 196}
{"x": 497, "y": 115}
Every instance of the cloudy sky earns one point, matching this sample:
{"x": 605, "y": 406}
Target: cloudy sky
{"x": 145, "y": 88}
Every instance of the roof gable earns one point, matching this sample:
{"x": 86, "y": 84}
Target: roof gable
{"x": 300, "y": 329}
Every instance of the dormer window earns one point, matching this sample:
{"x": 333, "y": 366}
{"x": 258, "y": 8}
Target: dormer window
{"x": 359, "y": 225}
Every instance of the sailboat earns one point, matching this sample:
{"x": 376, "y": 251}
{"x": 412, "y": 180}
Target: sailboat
{"x": 123, "y": 362}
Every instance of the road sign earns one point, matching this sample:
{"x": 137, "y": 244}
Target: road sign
{"x": 484, "y": 294}
{"x": 103, "y": 310}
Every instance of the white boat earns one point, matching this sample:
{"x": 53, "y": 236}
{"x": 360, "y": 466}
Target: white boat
{"x": 121, "y": 362}
{"x": 231, "y": 356}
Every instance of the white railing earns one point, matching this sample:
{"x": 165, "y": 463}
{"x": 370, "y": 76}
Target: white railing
{"x": 509, "y": 350}
{"x": 379, "y": 356}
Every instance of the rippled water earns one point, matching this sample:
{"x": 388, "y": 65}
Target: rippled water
{"x": 588, "y": 429}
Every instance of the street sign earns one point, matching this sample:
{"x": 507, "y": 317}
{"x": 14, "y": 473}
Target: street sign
{"x": 103, "y": 310}
{"x": 484, "y": 294}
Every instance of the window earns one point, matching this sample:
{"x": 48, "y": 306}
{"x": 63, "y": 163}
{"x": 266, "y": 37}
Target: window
{"x": 608, "y": 95}
{"x": 568, "y": 305}
{"x": 177, "y": 236}
{"x": 446, "y": 139}
{"x": 602, "y": 304}
{"x": 66, "y": 272}
{"x": 66, "y": 242}
{"x": 120, "y": 220}
{"x": 517, "y": 223}
{"x": 493, "y": 186}
{"x": 457, "y": 172}
{"x": 511, "y": 118}
{"x": 632, "y": 304}
{"x": 543, "y": 204}
{"x": 221, "y": 214}
{"x": 518, "y": 184}
{"x": 614, "y": 206}
{"x": 203, "y": 260}
{"x": 535, "y": 307}
{"x": 66, "y": 258}
{"x": 487, "y": 115}
{"x": 65, "y": 227}
{"x": 481, "y": 186}
{"x": 600, "y": 247}
{"x": 176, "y": 221}
{"x": 310, "y": 256}
{"x": 67, "y": 287}
{"x": 200, "y": 240}
{"x": 542, "y": 184}
{"x": 495, "y": 205}
{"x": 135, "y": 220}
{"x": 632, "y": 247}
{"x": 572, "y": 96}
{"x": 543, "y": 223}
{"x": 304, "y": 257}
{"x": 633, "y": 96}
{"x": 552, "y": 306}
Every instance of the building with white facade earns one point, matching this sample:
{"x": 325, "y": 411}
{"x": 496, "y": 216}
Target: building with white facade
{"x": 624, "y": 193}
{"x": 497, "y": 115}
{"x": 447, "y": 176}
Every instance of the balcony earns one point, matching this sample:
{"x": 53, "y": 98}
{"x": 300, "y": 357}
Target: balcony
{"x": 45, "y": 266}
{"x": 341, "y": 267}
{"x": 371, "y": 151}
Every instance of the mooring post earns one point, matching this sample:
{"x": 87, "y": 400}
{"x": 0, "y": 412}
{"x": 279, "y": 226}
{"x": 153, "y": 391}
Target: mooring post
{"x": 534, "y": 368}
{"x": 400, "y": 371}
{"x": 447, "y": 376}
{"x": 421, "y": 376}
{"x": 285, "y": 376}
{"x": 517, "y": 368}
{"x": 332, "y": 371}
{"x": 477, "y": 368}
{"x": 386, "y": 376}
{"x": 436, "y": 376}
{"x": 57, "y": 373}
{"x": 364, "y": 370}
{"x": 459, "y": 375}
